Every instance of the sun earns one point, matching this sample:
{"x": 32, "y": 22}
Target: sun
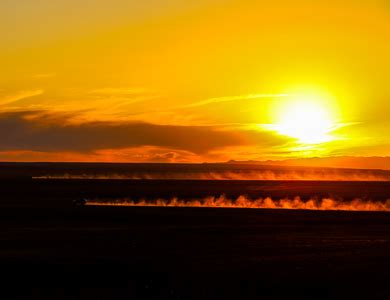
{"x": 307, "y": 119}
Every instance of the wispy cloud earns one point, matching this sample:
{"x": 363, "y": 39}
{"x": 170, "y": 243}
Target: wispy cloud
{"x": 105, "y": 103}
{"x": 8, "y": 99}
{"x": 195, "y": 113}
{"x": 116, "y": 101}
{"x": 235, "y": 98}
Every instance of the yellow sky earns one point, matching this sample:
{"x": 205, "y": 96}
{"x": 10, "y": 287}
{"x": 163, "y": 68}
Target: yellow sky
{"x": 140, "y": 73}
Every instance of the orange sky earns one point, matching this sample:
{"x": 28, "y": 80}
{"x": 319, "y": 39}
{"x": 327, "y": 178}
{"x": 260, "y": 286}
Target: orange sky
{"x": 169, "y": 80}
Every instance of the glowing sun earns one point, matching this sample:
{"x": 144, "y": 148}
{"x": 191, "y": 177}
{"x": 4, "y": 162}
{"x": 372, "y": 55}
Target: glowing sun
{"x": 307, "y": 120}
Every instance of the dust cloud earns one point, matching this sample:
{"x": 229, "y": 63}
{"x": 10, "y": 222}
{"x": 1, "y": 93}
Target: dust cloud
{"x": 245, "y": 202}
{"x": 314, "y": 175}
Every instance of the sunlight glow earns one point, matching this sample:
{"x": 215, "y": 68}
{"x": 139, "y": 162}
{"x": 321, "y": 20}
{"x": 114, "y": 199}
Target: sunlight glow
{"x": 307, "y": 119}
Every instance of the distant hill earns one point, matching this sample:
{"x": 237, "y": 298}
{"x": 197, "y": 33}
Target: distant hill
{"x": 353, "y": 162}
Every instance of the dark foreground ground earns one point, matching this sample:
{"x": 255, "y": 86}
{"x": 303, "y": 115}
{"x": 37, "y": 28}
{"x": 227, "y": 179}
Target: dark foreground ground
{"x": 51, "y": 250}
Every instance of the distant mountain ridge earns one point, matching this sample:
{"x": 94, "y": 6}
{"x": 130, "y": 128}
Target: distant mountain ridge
{"x": 351, "y": 162}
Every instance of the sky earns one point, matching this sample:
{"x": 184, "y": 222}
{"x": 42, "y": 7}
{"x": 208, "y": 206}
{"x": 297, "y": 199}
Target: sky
{"x": 193, "y": 81}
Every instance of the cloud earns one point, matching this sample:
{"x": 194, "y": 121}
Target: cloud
{"x": 136, "y": 154}
{"x": 8, "y": 99}
{"x": 98, "y": 104}
{"x": 36, "y": 133}
{"x": 233, "y": 113}
{"x": 117, "y": 102}
{"x": 148, "y": 154}
{"x": 235, "y": 98}
{"x": 45, "y": 132}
